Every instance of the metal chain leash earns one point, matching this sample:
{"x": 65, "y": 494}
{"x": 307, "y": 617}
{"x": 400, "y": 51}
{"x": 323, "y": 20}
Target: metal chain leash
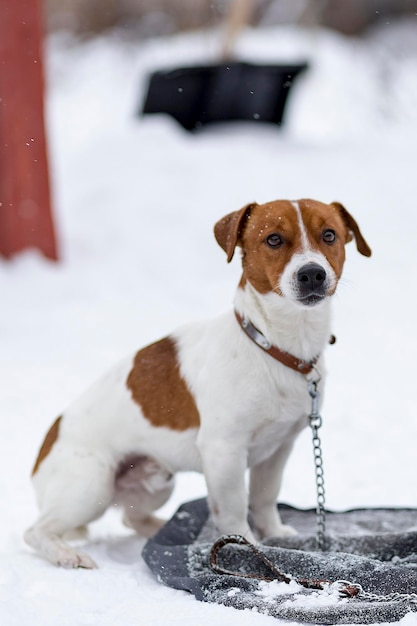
{"x": 361, "y": 594}
{"x": 315, "y": 421}
{"x": 389, "y": 597}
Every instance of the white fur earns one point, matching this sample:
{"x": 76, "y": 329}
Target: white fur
{"x": 304, "y": 237}
{"x": 251, "y": 409}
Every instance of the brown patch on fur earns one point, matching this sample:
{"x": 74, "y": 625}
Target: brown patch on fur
{"x": 228, "y": 230}
{"x": 262, "y": 265}
{"x": 157, "y": 386}
{"x": 243, "y": 281}
{"x": 353, "y": 230}
{"x": 49, "y": 441}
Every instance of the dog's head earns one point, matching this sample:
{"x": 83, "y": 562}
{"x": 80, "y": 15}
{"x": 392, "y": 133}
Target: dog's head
{"x": 293, "y": 248}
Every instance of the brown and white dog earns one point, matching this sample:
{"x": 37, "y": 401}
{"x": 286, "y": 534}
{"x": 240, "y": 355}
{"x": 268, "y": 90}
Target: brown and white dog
{"x": 207, "y": 397}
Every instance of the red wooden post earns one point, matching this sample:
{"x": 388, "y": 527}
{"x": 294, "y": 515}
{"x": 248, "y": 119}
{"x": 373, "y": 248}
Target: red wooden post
{"x": 25, "y": 207}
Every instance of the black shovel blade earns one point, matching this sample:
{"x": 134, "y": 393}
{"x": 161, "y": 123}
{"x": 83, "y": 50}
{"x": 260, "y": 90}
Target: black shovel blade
{"x": 196, "y": 96}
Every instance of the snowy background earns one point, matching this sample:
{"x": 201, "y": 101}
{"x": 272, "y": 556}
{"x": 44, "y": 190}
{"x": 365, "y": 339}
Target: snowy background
{"x": 135, "y": 201}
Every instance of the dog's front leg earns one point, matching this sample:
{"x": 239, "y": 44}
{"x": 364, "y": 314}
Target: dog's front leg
{"x": 224, "y": 468}
{"x": 265, "y": 483}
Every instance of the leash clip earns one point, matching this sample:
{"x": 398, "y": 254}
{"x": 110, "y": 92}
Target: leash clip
{"x": 315, "y": 418}
{"x": 346, "y": 589}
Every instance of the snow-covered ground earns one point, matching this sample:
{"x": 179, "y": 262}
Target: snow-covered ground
{"x": 135, "y": 201}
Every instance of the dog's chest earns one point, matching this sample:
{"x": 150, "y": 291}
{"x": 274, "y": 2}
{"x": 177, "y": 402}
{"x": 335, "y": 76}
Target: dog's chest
{"x": 243, "y": 394}
{"x": 277, "y": 423}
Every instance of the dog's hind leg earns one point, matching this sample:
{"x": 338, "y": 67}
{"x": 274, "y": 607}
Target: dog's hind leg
{"x": 142, "y": 486}
{"x": 73, "y": 488}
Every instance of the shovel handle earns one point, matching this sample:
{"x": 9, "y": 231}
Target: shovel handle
{"x": 237, "y": 18}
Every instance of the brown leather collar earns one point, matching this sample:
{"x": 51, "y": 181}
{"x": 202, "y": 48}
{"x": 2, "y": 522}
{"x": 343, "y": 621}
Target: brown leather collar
{"x": 304, "y": 367}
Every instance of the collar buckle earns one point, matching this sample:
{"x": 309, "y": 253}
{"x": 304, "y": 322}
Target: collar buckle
{"x": 303, "y": 367}
{"x": 255, "y": 334}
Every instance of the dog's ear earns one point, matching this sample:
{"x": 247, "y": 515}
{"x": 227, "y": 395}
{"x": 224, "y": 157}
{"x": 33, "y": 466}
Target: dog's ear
{"x": 229, "y": 229}
{"x": 353, "y": 229}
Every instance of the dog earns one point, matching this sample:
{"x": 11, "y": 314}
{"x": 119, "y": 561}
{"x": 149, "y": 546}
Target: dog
{"x": 217, "y": 396}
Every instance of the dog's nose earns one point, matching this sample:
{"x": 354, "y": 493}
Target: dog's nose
{"x": 311, "y": 277}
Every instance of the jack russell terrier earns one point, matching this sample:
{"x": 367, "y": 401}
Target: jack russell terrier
{"x": 218, "y": 396}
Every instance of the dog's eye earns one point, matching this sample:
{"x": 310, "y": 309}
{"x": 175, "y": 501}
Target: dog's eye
{"x": 274, "y": 241}
{"x": 329, "y": 236}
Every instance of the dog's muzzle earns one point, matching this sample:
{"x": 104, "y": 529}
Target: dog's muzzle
{"x": 311, "y": 284}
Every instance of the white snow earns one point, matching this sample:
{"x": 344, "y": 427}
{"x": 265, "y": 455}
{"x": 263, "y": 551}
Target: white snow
{"x": 329, "y": 596}
{"x": 135, "y": 201}
{"x": 272, "y": 589}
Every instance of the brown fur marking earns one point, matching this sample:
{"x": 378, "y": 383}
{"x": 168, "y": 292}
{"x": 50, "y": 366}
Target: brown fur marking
{"x": 157, "y": 386}
{"x": 51, "y": 437}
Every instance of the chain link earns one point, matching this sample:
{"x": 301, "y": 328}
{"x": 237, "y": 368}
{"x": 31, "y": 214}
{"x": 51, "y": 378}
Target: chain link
{"x": 389, "y": 597}
{"x": 315, "y": 421}
{"x": 348, "y": 589}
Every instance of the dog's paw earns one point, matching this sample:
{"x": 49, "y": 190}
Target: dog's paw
{"x": 284, "y": 530}
{"x": 278, "y": 530}
{"x": 146, "y": 526}
{"x": 72, "y": 559}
